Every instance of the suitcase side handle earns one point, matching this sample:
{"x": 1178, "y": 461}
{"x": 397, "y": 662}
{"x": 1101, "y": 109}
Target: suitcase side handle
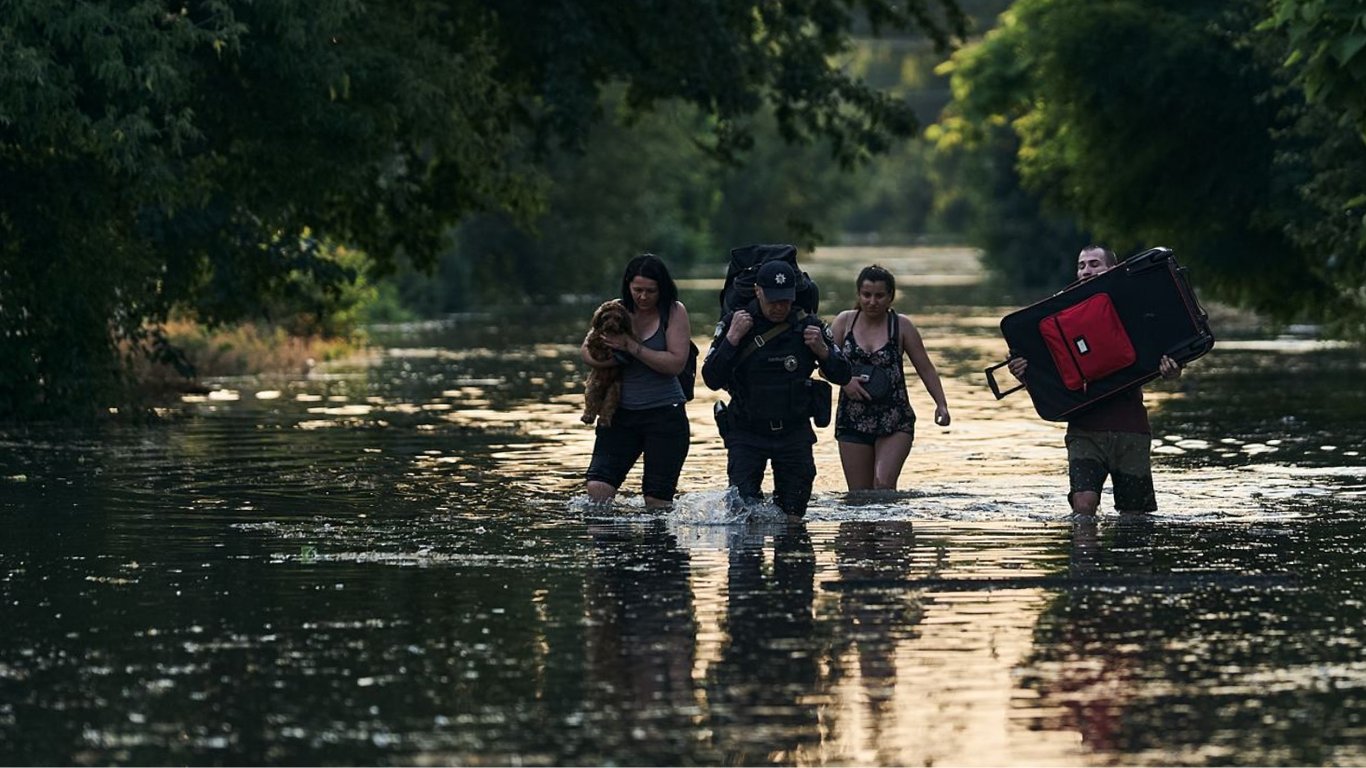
{"x": 1198, "y": 310}
{"x": 1153, "y": 258}
{"x": 1191, "y": 348}
{"x": 996, "y": 388}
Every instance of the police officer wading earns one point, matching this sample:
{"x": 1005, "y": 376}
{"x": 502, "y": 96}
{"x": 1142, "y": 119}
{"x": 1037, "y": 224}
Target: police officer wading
{"x": 763, "y": 355}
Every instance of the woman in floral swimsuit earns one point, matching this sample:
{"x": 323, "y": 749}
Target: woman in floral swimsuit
{"x": 875, "y": 435}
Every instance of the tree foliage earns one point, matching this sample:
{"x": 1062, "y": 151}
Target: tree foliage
{"x": 643, "y": 187}
{"x": 1327, "y": 43}
{"x": 1172, "y": 122}
{"x": 1327, "y": 59}
{"x": 193, "y": 154}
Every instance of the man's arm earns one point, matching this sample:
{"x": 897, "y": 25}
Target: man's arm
{"x": 1169, "y": 368}
{"x": 720, "y": 361}
{"x": 834, "y": 365}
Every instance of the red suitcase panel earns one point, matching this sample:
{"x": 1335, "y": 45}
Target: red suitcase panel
{"x": 1087, "y": 341}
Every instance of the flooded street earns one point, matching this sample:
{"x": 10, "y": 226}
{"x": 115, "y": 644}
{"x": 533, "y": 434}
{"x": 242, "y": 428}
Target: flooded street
{"x": 390, "y": 561}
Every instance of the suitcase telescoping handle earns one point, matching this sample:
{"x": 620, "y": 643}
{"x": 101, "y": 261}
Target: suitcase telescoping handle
{"x": 996, "y": 388}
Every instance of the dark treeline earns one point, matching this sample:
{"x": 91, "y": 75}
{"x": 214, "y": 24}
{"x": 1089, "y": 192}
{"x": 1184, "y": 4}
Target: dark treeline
{"x": 1231, "y": 131}
{"x": 311, "y": 165}
{"x": 1234, "y": 132}
{"x": 652, "y": 183}
{"x": 205, "y": 158}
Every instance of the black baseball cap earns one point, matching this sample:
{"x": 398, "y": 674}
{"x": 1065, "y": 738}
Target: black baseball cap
{"x": 779, "y": 281}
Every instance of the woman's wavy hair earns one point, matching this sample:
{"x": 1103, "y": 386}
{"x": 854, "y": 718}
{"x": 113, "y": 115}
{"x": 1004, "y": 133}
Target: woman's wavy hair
{"x": 649, "y": 266}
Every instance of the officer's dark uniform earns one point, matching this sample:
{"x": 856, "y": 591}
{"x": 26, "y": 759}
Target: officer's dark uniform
{"x": 769, "y": 416}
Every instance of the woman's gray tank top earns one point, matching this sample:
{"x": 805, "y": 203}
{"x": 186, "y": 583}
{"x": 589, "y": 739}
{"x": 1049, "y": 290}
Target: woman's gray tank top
{"x": 642, "y": 386}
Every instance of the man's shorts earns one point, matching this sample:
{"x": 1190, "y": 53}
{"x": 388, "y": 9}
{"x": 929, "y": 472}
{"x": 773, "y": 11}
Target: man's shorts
{"x": 1124, "y": 456}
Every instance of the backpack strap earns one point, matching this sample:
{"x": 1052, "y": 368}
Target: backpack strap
{"x": 894, "y": 332}
{"x": 767, "y": 336}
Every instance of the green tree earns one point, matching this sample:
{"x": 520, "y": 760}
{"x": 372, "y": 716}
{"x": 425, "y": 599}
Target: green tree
{"x": 782, "y": 194}
{"x": 1156, "y": 122}
{"x": 1022, "y": 238}
{"x": 640, "y": 183}
{"x": 916, "y": 191}
{"x": 1327, "y": 43}
{"x": 1326, "y": 40}
{"x": 156, "y": 155}
{"x": 642, "y": 186}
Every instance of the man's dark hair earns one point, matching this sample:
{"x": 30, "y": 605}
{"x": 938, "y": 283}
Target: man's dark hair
{"x": 1110, "y": 257}
{"x": 649, "y": 266}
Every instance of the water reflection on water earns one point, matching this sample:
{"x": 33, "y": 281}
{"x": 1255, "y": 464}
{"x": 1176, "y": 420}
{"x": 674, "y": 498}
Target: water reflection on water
{"x": 391, "y": 562}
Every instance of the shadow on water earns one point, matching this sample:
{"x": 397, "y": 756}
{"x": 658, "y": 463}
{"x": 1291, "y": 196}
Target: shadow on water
{"x": 391, "y": 561}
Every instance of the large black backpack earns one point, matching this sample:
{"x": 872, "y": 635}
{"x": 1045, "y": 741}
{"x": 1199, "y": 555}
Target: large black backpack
{"x": 745, "y": 261}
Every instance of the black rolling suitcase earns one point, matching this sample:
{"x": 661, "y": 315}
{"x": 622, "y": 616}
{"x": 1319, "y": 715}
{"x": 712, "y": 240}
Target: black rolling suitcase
{"x": 1102, "y": 336}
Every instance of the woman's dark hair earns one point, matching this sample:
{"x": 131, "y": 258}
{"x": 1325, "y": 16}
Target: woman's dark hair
{"x": 874, "y": 274}
{"x": 649, "y": 266}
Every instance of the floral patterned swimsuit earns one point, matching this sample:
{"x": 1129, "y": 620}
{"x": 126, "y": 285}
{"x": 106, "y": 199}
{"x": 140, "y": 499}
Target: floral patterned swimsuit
{"x": 877, "y": 419}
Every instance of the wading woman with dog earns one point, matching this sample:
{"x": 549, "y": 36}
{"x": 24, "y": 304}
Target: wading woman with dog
{"x": 643, "y": 357}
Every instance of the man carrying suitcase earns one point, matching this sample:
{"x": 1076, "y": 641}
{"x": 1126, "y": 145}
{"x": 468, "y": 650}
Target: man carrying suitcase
{"x": 1112, "y": 437}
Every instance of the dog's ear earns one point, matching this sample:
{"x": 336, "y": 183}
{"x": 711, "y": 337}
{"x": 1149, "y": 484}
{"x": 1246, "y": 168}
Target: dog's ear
{"x": 605, "y": 310}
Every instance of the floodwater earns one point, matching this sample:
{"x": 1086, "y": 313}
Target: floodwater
{"x": 391, "y": 562}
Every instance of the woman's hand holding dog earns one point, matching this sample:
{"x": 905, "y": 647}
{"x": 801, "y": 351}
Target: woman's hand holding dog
{"x": 622, "y": 343}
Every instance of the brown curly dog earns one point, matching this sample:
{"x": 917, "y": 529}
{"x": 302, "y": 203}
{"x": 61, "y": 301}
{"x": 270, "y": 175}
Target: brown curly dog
{"x": 602, "y": 389}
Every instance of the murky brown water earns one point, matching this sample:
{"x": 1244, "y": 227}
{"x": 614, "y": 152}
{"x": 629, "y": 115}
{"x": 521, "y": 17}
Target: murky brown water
{"x": 391, "y": 562}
